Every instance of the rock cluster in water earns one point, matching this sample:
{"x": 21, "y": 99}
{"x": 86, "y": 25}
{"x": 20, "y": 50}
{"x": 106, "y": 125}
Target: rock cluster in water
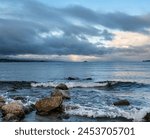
{"x": 16, "y": 111}
{"x": 54, "y": 102}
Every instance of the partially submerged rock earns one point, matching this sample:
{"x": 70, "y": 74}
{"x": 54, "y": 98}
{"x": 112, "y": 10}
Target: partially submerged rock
{"x": 72, "y": 78}
{"x": 46, "y": 105}
{"x": 13, "y": 110}
{"x": 69, "y": 107}
{"x": 122, "y": 103}
{"x": 62, "y": 87}
{"x": 88, "y": 79}
{"x": 147, "y": 117}
{"x": 64, "y": 93}
{"x": 29, "y": 108}
{"x": 20, "y": 98}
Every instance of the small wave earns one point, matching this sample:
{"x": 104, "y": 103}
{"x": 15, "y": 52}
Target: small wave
{"x": 108, "y": 84}
{"x": 108, "y": 111}
{"x": 70, "y": 84}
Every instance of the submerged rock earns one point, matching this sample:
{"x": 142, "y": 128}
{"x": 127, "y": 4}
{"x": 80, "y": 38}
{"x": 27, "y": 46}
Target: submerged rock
{"x": 13, "y": 110}
{"x": 62, "y": 87}
{"x": 122, "y": 103}
{"x": 147, "y": 117}
{"x": 46, "y": 105}
{"x": 64, "y": 93}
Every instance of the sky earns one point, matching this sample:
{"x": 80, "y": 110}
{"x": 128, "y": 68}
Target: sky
{"x": 75, "y": 30}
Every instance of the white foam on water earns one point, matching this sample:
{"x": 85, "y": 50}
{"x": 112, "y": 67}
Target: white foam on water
{"x": 70, "y": 84}
{"x": 109, "y": 111}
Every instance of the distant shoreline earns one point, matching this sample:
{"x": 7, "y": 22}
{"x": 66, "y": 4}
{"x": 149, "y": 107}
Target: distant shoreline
{"x": 146, "y": 60}
{"x": 22, "y": 60}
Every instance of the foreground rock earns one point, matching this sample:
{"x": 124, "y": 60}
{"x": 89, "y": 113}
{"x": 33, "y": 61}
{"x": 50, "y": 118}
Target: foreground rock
{"x": 53, "y": 103}
{"x": 2, "y": 102}
{"x": 46, "y": 105}
{"x": 11, "y": 118}
{"x": 62, "y": 87}
{"x": 122, "y": 103}
{"x": 13, "y": 111}
{"x": 147, "y": 117}
{"x": 64, "y": 93}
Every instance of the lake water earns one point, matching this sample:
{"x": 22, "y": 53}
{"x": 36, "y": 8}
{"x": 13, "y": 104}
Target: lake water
{"x": 93, "y": 97}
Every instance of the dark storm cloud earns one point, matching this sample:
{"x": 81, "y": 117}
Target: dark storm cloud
{"x": 23, "y": 22}
{"x": 117, "y": 20}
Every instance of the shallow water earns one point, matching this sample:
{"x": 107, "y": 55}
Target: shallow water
{"x": 111, "y": 81}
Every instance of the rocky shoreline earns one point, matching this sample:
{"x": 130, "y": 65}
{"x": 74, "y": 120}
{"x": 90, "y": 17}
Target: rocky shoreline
{"x": 16, "y": 111}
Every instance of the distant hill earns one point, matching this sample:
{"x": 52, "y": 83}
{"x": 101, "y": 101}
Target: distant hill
{"x": 20, "y": 60}
{"x": 146, "y": 60}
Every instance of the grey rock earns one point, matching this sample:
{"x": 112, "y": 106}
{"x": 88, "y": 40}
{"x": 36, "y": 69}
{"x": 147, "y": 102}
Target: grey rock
{"x": 122, "y": 103}
{"x": 62, "y": 87}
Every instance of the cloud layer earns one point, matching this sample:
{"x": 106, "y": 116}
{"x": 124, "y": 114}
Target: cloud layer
{"x": 30, "y": 27}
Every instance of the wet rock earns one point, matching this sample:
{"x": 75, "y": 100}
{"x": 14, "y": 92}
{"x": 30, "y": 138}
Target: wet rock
{"x": 147, "y": 117}
{"x": 64, "y": 93}
{"x": 64, "y": 116}
{"x": 29, "y": 108}
{"x": 109, "y": 84}
{"x": 46, "y": 105}
{"x": 2, "y": 102}
{"x": 62, "y": 87}
{"x": 88, "y": 79}
{"x": 68, "y": 107}
{"x": 122, "y": 103}
{"x": 22, "y": 99}
{"x": 14, "y": 108}
{"x": 72, "y": 78}
{"x": 1, "y": 105}
{"x": 2, "y": 99}
{"x": 10, "y": 117}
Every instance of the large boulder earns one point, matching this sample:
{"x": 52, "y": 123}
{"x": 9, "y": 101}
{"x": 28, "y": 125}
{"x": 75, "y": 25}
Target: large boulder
{"x": 147, "y": 117}
{"x": 122, "y": 103}
{"x": 62, "y": 86}
{"x": 46, "y": 105}
{"x": 64, "y": 93}
{"x": 13, "y": 110}
{"x": 2, "y": 102}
